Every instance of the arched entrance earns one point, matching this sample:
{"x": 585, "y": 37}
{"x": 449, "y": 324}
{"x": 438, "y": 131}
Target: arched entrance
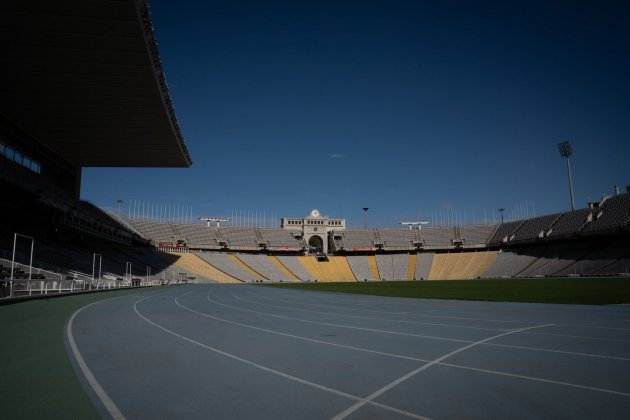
{"x": 316, "y": 244}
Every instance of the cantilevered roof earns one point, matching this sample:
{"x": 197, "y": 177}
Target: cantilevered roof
{"x": 84, "y": 78}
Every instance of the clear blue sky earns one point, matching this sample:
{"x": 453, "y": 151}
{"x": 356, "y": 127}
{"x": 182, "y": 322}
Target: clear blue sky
{"x": 404, "y": 107}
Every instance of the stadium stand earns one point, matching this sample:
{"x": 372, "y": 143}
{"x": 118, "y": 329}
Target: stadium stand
{"x": 330, "y": 270}
{"x": 509, "y": 263}
{"x": 193, "y": 264}
{"x": 612, "y": 214}
{"x": 476, "y": 234}
{"x": 241, "y": 238}
{"x": 392, "y": 266}
{"x": 461, "y": 265}
{"x": 284, "y": 269}
{"x": 569, "y": 224}
{"x": 536, "y": 228}
{"x": 374, "y": 267}
{"x": 296, "y": 267}
{"x": 280, "y": 240}
{"x": 398, "y": 239}
{"x": 230, "y": 265}
{"x": 411, "y": 266}
{"x": 361, "y": 268}
{"x": 265, "y": 266}
{"x": 424, "y": 262}
{"x": 357, "y": 240}
{"x": 505, "y": 231}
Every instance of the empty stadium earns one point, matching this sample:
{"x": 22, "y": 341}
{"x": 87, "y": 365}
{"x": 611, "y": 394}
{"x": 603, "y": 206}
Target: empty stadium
{"x": 111, "y": 310}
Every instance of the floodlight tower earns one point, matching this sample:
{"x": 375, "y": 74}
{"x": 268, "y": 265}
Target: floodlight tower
{"x": 501, "y": 210}
{"x": 365, "y": 217}
{"x": 415, "y": 225}
{"x": 216, "y": 220}
{"x": 566, "y": 151}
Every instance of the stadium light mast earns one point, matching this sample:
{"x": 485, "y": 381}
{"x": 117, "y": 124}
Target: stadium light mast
{"x": 216, "y": 220}
{"x": 566, "y": 151}
{"x": 415, "y": 225}
{"x": 501, "y": 210}
{"x": 365, "y": 217}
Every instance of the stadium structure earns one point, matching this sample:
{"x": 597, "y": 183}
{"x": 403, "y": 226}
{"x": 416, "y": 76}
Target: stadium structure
{"x": 70, "y": 109}
{"x": 86, "y": 89}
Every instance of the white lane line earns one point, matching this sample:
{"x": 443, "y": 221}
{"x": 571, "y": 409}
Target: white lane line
{"x": 494, "y": 320}
{"x": 340, "y": 314}
{"x": 467, "y": 318}
{"x": 297, "y": 337}
{"x": 336, "y": 306}
{"x": 581, "y": 337}
{"x": 430, "y": 337}
{"x": 268, "y": 369}
{"x": 100, "y": 393}
{"x": 438, "y": 324}
{"x": 395, "y": 355}
{"x": 536, "y": 379}
{"x": 330, "y": 324}
{"x": 348, "y": 411}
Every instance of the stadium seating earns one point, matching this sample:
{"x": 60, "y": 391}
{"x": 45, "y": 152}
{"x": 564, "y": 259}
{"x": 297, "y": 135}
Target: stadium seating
{"x": 392, "y": 266}
{"x": 504, "y": 232}
{"x": 193, "y": 264}
{"x": 612, "y": 214}
{"x": 293, "y": 264}
{"x": 280, "y": 239}
{"x": 411, "y": 266}
{"x": 357, "y": 240}
{"x": 267, "y": 267}
{"x": 361, "y": 267}
{"x": 424, "y": 262}
{"x": 569, "y": 224}
{"x": 231, "y": 266}
{"x": 536, "y": 228}
{"x": 331, "y": 270}
{"x": 461, "y": 265}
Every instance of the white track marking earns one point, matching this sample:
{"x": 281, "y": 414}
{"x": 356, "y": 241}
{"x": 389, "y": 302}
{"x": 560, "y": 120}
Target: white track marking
{"x": 581, "y": 337}
{"x": 450, "y": 325}
{"x": 270, "y": 370}
{"x": 348, "y": 411}
{"x": 430, "y": 337}
{"x": 107, "y": 402}
{"x": 330, "y": 324}
{"x": 378, "y": 319}
{"x": 395, "y": 355}
{"x": 536, "y": 379}
{"x": 461, "y": 317}
{"x": 497, "y": 320}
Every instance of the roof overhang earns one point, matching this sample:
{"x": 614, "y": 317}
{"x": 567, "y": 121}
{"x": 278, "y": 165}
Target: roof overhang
{"x": 84, "y": 78}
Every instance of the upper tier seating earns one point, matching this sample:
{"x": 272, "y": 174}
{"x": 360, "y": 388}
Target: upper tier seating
{"x": 402, "y": 239}
{"x": 569, "y": 224}
{"x": 476, "y": 234}
{"x": 613, "y": 214}
{"x": 280, "y": 239}
{"x": 241, "y": 237}
{"x": 357, "y": 239}
{"x": 535, "y": 228}
{"x": 505, "y": 231}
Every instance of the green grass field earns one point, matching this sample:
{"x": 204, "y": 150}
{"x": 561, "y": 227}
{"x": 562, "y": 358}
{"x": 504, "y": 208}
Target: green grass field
{"x": 37, "y": 379}
{"x": 594, "y": 291}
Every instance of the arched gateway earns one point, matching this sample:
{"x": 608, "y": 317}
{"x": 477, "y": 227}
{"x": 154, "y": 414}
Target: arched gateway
{"x": 314, "y": 229}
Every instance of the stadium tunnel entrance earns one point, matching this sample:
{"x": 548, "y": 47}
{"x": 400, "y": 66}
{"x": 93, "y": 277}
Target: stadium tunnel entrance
{"x": 316, "y": 244}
